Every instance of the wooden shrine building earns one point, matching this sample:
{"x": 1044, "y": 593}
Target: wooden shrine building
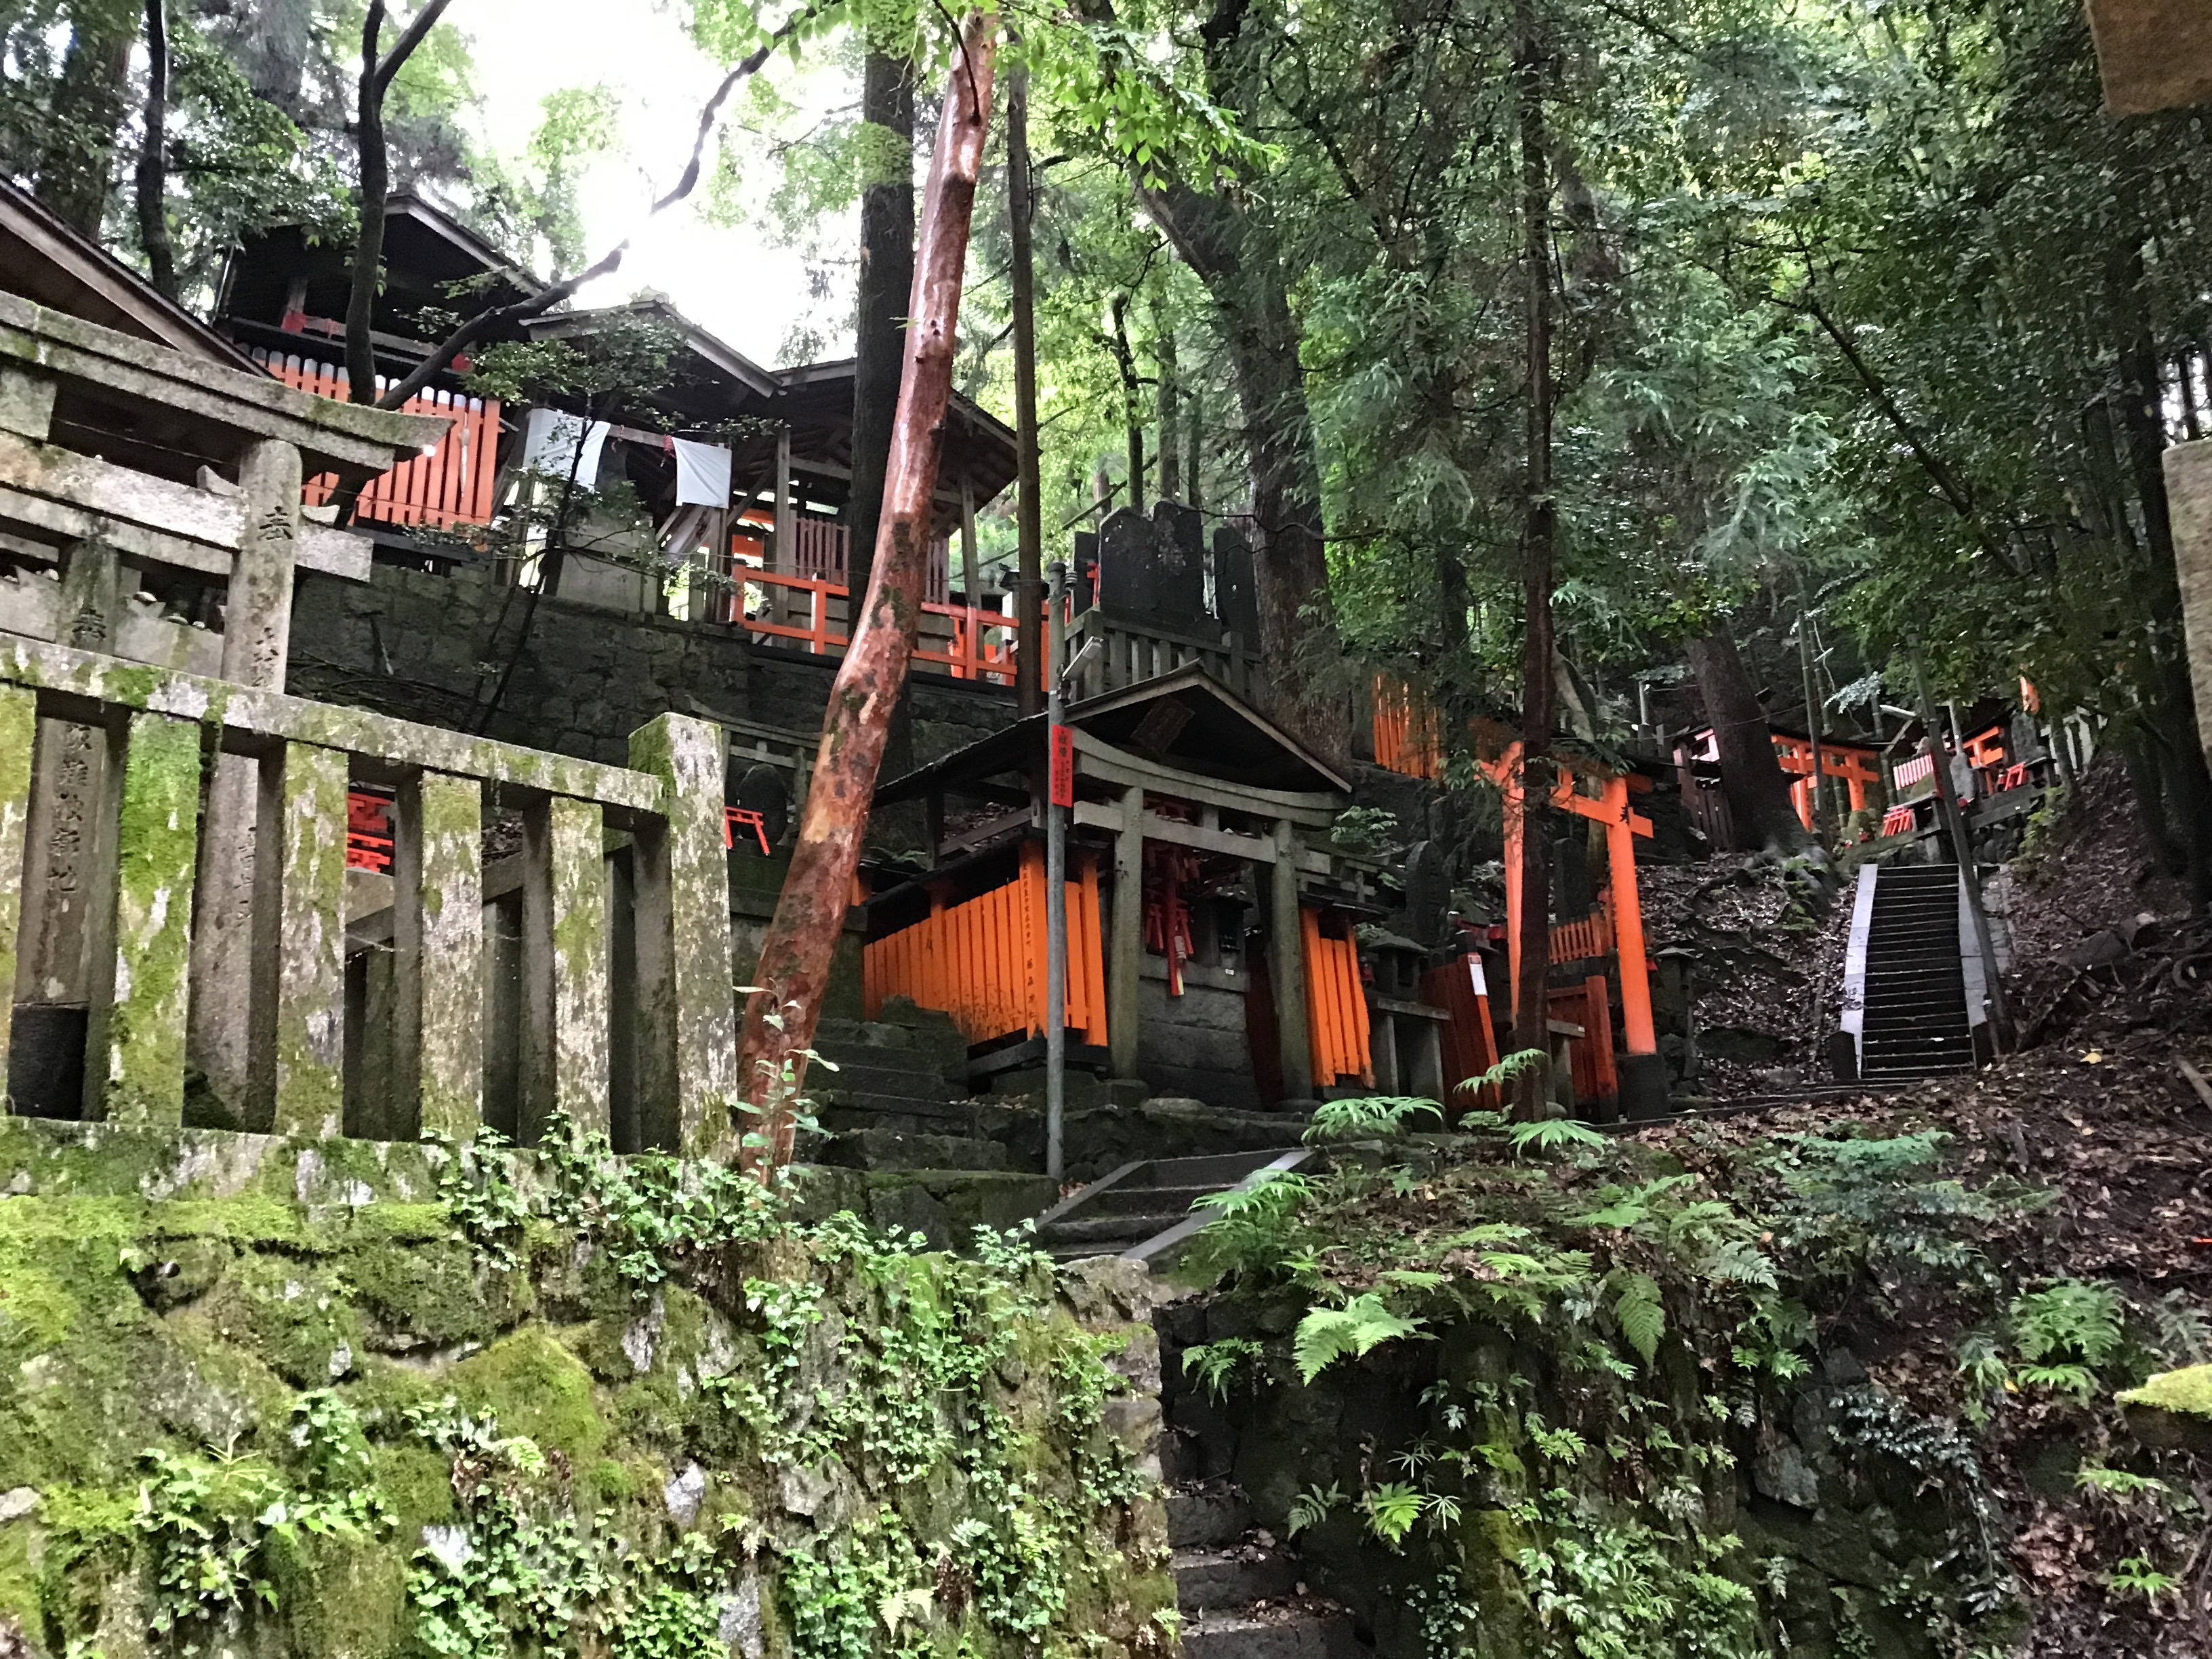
{"x": 1211, "y": 947}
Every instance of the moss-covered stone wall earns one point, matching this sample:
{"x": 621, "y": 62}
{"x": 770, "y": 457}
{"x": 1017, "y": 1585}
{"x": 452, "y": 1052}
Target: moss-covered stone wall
{"x": 269, "y": 1399}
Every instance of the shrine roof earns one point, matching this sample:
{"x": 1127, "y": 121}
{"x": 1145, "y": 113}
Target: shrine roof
{"x": 1186, "y": 721}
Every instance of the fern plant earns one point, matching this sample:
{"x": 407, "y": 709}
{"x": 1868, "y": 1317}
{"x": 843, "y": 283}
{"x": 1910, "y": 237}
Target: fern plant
{"x": 1371, "y": 1117}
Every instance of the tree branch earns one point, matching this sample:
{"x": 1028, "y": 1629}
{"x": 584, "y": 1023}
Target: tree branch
{"x": 403, "y": 48}
{"x": 1947, "y": 482}
{"x": 485, "y": 322}
{"x": 375, "y": 184}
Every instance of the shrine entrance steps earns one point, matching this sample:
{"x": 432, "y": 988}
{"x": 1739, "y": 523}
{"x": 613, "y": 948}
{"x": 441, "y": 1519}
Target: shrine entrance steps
{"x": 1142, "y": 1212}
{"x": 1915, "y": 1023}
{"x": 898, "y": 1099}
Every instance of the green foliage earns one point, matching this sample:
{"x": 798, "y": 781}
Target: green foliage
{"x": 2059, "y": 1337}
{"x": 1551, "y": 1134}
{"x": 1368, "y": 830}
{"x": 1370, "y": 1117}
{"x": 1360, "y": 1326}
{"x": 2134, "y": 1576}
{"x": 216, "y": 1523}
{"x": 1215, "y": 1364}
{"x": 1641, "y": 1314}
{"x": 1314, "y": 1505}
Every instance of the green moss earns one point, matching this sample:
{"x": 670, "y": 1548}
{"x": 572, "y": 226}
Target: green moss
{"x": 537, "y": 1387}
{"x": 2188, "y": 1390}
{"x": 433, "y": 1293}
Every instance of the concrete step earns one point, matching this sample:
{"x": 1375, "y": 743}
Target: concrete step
{"x": 892, "y": 1149}
{"x": 1108, "y": 1229}
{"x": 1294, "y": 1636}
{"x": 1206, "y": 1517}
{"x": 1222, "y": 1580}
{"x": 1147, "y": 1200}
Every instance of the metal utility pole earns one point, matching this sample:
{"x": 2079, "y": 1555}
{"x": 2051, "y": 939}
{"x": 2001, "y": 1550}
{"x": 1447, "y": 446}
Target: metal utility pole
{"x": 1056, "y": 893}
{"x": 1962, "y": 849}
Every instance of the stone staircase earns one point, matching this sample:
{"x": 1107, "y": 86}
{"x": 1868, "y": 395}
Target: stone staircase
{"x": 1142, "y": 1210}
{"x": 898, "y": 1099}
{"x": 1242, "y": 1594}
{"x": 1915, "y": 1022}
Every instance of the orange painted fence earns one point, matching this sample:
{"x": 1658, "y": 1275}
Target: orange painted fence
{"x": 451, "y": 485}
{"x": 1336, "y": 1006}
{"x": 1470, "y": 1042}
{"x": 1590, "y": 1056}
{"x": 983, "y": 961}
{"x": 969, "y": 642}
{"x": 1405, "y": 731}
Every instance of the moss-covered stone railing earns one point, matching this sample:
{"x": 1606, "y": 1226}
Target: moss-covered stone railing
{"x": 164, "y": 731}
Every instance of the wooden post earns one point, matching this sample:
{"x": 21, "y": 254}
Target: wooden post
{"x": 19, "y": 724}
{"x": 1286, "y": 966}
{"x": 564, "y": 944}
{"x": 438, "y": 947}
{"x": 1126, "y": 962}
{"x": 308, "y": 923}
{"x": 785, "y": 559}
{"x": 687, "y": 1013}
{"x": 142, "y": 1080}
{"x": 971, "y": 578}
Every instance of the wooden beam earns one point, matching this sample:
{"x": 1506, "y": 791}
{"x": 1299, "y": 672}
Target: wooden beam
{"x": 1286, "y": 967}
{"x": 1099, "y": 759}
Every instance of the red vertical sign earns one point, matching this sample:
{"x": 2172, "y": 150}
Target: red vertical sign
{"x": 1063, "y": 766}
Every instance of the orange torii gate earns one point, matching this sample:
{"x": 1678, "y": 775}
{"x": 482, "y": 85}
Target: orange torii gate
{"x": 1857, "y": 766}
{"x": 1643, "y": 1075}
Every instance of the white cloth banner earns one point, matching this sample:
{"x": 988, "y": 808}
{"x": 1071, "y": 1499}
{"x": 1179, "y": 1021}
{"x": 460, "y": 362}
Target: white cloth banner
{"x": 703, "y": 473}
{"x": 550, "y": 445}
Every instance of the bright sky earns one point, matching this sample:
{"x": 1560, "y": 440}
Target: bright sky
{"x": 735, "y": 283}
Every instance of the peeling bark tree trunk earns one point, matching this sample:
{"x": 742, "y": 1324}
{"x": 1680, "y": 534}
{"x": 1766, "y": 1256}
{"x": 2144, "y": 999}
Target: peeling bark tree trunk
{"x": 1758, "y": 793}
{"x": 794, "y": 963}
{"x": 1538, "y": 539}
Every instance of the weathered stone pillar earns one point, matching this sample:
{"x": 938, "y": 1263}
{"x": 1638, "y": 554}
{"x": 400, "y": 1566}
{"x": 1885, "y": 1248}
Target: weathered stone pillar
{"x": 687, "y": 1038}
{"x": 2189, "y": 498}
{"x": 229, "y": 977}
{"x": 68, "y": 881}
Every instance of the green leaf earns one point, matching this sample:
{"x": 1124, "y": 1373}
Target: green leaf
{"x": 1642, "y": 1316}
{"x": 1362, "y": 1324}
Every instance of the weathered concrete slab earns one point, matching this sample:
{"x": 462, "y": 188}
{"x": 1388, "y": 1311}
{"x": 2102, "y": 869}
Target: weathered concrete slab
{"x": 310, "y": 946}
{"x": 2189, "y": 498}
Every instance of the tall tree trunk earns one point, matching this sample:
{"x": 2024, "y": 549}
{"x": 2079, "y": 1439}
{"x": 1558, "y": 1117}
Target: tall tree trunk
{"x": 1757, "y": 790}
{"x": 375, "y": 186}
{"x": 1029, "y": 508}
{"x": 886, "y": 294}
{"x": 153, "y": 164}
{"x": 1169, "y": 404}
{"x": 90, "y": 104}
{"x": 2181, "y": 757}
{"x": 1539, "y": 540}
{"x": 1132, "y": 415}
{"x": 794, "y": 961}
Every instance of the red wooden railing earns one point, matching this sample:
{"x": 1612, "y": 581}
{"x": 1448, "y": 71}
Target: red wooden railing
{"x": 450, "y": 486}
{"x": 968, "y": 642}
